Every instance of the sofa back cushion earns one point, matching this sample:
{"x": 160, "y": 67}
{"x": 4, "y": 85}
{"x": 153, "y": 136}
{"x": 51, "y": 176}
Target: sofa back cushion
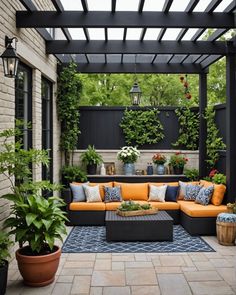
{"x": 78, "y": 192}
{"x": 133, "y": 191}
{"x": 218, "y": 193}
{"x": 101, "y": 187}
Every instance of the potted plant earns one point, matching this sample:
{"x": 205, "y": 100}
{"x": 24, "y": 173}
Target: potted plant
{"x": 128, "y": 155}
{"x": 72, "y": 173}
{"x": 177, "y": 161}
{"x": 192, "y": 174}
{"x": 35, "y": 221}
{"x": 91, "y": 159}
{"x": 5, "y": 244}
{"x": 159, "y": 160}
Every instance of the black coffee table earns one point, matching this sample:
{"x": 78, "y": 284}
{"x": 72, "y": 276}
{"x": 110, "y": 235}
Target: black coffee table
{"x": 157, "y": 227}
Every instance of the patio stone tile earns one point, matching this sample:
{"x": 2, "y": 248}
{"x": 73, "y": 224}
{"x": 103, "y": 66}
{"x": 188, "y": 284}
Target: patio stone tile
{"x": 156, "y": 261}
{"x": 204, "y": 265}
{"x": 76, "y": 271}
{"x": 138, "y": 264}
{"x": 81, "y": 257}
{"x": 79, "y": 264}
{"x": 228, "y": 274}
{"x": 103, "y": 256}
{"x": 102, "y": 264}
{"x": 168, "y": 269}
{"x": 172, "y": 261}
{"x": 188, "y": 261}
{"x": 65, "y": 279}
{"x": 140, "y": 257}
{"x": 173, "y": 284}
{"x": 47, "y": 290}
{"x": 144, "y": 290}
{"x": 96, "y": 291}
{"x": 197, "y": 276}
{"x": 81, "y": 285}
{"x": 116, "y": 291}
{"x": 198, "y": 257}
{"x": 222, "y": 262}
{"x": 14, "y": 274}
{"x": 108, "y": 278}
{"x": 140, "y": 276}
{"x": 14, "y": 288}
{"x": 123, "y": 257}
{"x": 213, "y": 255}
{"x": 118, "y": 265}
{"x": 211, "y": 288}
{"x": 187, "y": 268}
{"x": 61, "y": 289}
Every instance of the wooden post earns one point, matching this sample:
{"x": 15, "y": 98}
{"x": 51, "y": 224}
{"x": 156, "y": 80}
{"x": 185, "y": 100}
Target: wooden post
{"x": 203, "y": 125}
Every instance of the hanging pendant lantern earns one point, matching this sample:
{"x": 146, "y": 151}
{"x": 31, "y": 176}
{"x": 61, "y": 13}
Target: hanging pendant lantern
{"x": 10, "y": 58}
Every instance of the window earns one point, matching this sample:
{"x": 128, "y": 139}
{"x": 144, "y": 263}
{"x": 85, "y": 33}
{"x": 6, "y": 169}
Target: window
{"x": 47, "y": 127}
{"x": 23, "y": 102}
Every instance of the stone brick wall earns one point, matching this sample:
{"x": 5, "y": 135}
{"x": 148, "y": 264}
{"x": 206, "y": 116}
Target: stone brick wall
{"x": 31, "y": 50}
{"x": 146, "y": 157}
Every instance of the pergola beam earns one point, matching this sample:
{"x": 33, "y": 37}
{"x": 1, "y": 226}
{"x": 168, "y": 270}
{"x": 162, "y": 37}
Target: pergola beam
{"x": 132, "y": 19}
{"x": 140, "y": 68}
{"x": 136, "y": 47}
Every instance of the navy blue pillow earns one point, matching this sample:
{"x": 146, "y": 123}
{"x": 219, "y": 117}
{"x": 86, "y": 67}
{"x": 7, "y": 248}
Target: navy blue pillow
{"x": 171, "y": 193}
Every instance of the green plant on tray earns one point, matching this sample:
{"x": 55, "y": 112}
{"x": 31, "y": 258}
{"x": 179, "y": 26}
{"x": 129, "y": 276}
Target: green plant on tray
{"x": 132, "y": 206}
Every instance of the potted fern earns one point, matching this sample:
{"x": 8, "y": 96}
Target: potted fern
{"x": 35, "y": 221}
{"x": 5, "y": 244}
{"x": 91, "y": 159}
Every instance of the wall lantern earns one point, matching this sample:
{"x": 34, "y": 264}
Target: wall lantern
{"x": 10, "y": 58}
{"x": 135, "y": 92}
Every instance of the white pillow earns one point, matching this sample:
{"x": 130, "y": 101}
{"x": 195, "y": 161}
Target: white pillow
{"x": 92, "y": 193}
{"x": 157, "y": 193}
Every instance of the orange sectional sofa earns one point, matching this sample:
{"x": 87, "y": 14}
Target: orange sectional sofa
{"x": 195, "y": 218}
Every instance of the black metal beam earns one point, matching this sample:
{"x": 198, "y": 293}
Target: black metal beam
{"x": 124, "y": 34}
{"x": 136, "y": 47}
{"x": 28, "y": 4}
{"x": 113, "y": 6}
{"x": 85, "y": 5}
{"x": 210, "y": 60}
{"x": 106, "y": 35}
{"x": 86, "y": 33}
{"x": 154, "y": 57}
{"x": 161, "y": 34}
{"x": 217, "y": 34}
{"x": 203, "y": 125}
{"x": 192, "y": 4}
{"x": 212, "y": 5}
{"x": 120, "y": 19}
{"x": 167, "y": 5}
{"x": 143, "y": 34}
{"x": 230, "y": 126}
{"x": 140, "y": 68}
{"x": 140, "y": 5}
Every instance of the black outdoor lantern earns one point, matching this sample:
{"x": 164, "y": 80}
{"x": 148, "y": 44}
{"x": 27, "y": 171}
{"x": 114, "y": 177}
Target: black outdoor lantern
{"x": 10, "y": 58}
{"x": 135, "y": 94}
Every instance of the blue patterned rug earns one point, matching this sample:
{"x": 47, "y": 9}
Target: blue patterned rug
{"x": 92, "y": 239}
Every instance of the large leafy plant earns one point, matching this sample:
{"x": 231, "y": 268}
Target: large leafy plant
{"x": 33, "y": 219}
{"x": 142, "y": 127}
{"x": 5, "y": 244}
{"x": 91, "y": 156}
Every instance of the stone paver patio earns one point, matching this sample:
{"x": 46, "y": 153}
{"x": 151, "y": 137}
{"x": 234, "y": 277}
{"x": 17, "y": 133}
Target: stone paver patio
{"x": 139, "y": 274}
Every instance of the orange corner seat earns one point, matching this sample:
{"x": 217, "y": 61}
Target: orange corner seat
{"x": 133, "y": 191}
{"x": 84, "y": 206}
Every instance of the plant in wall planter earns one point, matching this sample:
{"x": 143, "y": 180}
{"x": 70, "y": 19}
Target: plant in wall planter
{"x": 35, "y": 221}
{"x": 91, "y": 159}
{"x": 159, "y": 160}
{"x": 178, "y": 161}
{"x": 5, "y": 244}
{"x": 72, "y": 173}
{"x": 128, "y": 155}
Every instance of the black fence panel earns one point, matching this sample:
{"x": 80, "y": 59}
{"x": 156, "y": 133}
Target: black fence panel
{"x": 221, "y": 120}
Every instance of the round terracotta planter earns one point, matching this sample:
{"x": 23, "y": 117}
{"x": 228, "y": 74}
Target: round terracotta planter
{"x": 38, "y": 271}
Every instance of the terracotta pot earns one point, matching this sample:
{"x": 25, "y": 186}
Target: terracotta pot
{"x": 38, "y": 271}
{"x": 3, "y": 277}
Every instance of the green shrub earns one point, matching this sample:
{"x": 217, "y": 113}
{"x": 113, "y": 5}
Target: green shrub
{"x": 192, "y": 174}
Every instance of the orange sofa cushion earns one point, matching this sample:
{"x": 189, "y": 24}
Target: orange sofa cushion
{"x": 197, "y": 210}
{"x": 218, "y": 193}
{"x": 133, "y": 191}
{"x": 101, "y": 187}
{"x": 84, "y": 206}
{"x": 112, "y": 206}
{"x": 165, "y": 205}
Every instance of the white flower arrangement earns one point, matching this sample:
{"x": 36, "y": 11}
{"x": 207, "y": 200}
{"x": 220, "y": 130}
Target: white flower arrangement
{"x": 128, "y": 154}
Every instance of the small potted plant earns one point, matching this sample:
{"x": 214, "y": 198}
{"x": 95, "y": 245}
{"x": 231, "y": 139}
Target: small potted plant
{"x": 72, "y": 173}
{"x": 5, "y": 244}
{"x": 177, "y": 161}
{"x": 159, "y": 160}
{"x": 91, "y": 159}
{"x": 128, "y": 155}
{"x": 231, "y": 207}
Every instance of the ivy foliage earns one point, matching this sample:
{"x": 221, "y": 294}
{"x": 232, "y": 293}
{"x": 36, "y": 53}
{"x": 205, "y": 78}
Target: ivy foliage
{"x": 189, "y": 128}
{"x": 68, "y": 95}
{"x": 142, "y": 127}
{"x": 214, "y": 141}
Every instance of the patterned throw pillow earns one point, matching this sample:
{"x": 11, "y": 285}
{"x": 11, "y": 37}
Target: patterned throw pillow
{"x": 157, "y": 193}
{"x": 78, "y": 192}
{"x": 182, "y": 190}
{"x": 92, "y": 193}
{"x": 112, "y": 194}
{"x": 192, "y": 192}
{"x": 171, "y": 193}
{"x": 204, "y": 195}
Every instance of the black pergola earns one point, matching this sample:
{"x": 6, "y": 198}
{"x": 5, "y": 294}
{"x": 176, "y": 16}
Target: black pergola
{"x": 181, "y": 55}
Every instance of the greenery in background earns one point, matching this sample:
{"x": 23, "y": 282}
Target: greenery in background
{"x": 72, "y": 173}
{"x": 189, "y": 128}
{"x": 219, "y": 178}
{"x": 5, "y": 244}
{"x": 68, "y": 96}
{"x": 33, "y": 219}
{"x": 141, "y": 127}
{"x": 178, "y": 160}
{"x": 91, "y": 156}
{"x": 214, "y": 141}
{"x": 192, "y": 174}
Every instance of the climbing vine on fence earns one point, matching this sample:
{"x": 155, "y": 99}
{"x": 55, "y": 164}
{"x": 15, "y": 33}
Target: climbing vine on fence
{"x": 214, "y": 141}
{"x": 189, "y": 128}
{"x": 142, "y": 127}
